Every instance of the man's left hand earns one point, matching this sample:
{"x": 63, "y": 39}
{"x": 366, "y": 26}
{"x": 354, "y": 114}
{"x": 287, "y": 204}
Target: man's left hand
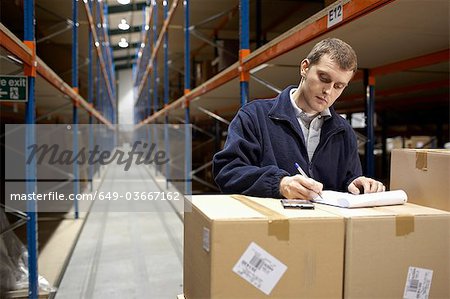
{"x": 367, "y": 185}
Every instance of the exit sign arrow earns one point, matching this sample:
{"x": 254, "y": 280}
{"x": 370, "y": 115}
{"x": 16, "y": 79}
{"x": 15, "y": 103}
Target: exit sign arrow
{"x": 13, "y": 89}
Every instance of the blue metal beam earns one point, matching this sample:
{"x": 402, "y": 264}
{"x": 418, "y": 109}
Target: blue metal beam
{"x": 76, "y": 184}
{"x": 187, "y": 88}
{"x": 166, "y": 92}
{"x": 90, "y": 101}
{"x": 30, "y": 168}
{"x": 244, "y": 43}
{"x": 370, "y": 113}
{"x": 155, "y": 72}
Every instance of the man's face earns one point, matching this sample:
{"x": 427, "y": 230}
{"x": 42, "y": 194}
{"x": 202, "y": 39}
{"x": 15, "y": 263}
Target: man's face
{"x": 323, "y": 83}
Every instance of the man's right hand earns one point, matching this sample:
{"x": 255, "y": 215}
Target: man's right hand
{"x": 299, "y": 187}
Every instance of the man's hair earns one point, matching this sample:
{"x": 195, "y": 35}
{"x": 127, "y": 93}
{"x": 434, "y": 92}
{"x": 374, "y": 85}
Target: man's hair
{"x": 339, "y": 51}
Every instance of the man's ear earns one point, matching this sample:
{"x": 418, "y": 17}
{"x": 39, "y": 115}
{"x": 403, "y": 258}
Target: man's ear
{"x": 304, "y": 65}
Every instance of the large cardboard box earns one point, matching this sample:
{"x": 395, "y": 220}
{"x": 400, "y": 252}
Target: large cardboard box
{"x": 382, "y": 243}
{"x": 424, "y": 175}
{"x": 310, "y": 243}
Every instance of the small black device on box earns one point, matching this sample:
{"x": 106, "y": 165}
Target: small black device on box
{"x": 297, "y": 204}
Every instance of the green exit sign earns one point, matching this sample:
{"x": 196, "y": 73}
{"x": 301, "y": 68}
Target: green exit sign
{"x": 13, "y": 89}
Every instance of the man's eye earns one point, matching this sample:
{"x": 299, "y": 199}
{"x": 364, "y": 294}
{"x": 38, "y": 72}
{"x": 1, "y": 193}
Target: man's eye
{"x": 324, "y": 79}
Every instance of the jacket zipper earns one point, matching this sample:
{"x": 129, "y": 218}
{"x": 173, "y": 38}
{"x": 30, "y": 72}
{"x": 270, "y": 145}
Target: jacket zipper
{"x": 319, "y": 148}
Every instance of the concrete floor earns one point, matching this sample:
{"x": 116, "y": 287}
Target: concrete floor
{"x": 123, "y": 252}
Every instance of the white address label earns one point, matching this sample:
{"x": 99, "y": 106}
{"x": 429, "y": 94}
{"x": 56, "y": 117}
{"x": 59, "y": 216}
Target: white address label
{"x": 260, "y": 268}
{"x": 418, "y": 283}
{"x": 335, "y": 15}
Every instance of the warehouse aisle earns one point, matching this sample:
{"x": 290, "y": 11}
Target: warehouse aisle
{"x": 127, "y": 254}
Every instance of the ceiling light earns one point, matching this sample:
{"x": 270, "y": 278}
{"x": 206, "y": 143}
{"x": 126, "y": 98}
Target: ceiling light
{"x": 258, "y": 68}
{"x": 123, "y": 42}
{"x": 123, "y": 2}
{"x": 123, "y": 25}
{"x": 14, "y": 59}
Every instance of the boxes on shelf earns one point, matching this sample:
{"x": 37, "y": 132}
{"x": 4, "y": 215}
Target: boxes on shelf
{"x": 393, "y": 249}
{"x": 424, "y": 175}
{"x": 242, "y": 247}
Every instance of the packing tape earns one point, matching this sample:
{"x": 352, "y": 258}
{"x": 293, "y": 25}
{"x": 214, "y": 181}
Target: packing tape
{"x": 404, "y": 224}
{"x": 421, "y": 160}
{"x": 278, "y": 223}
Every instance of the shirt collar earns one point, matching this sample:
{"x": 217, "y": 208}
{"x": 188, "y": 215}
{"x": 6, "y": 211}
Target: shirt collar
{"x": 300, "y": 113}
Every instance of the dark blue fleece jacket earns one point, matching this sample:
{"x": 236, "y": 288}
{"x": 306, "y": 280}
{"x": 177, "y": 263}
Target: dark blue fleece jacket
{"x": 265, "y": 141}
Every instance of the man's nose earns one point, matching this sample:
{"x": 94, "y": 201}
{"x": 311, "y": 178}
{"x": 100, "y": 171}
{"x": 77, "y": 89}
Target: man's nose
{"x": 326, "y": 89}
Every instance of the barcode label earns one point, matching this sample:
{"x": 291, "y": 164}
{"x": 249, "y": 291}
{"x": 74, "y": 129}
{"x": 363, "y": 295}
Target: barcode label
{"x": 418, "y": 283}
{"x": 260, "y": 268}
{"x": 413, "y": 285}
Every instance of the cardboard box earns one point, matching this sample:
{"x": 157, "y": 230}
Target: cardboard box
{"x": 424, "y": 175}
{"x": 310, "y": 243}
{"x": 382, "y": 243}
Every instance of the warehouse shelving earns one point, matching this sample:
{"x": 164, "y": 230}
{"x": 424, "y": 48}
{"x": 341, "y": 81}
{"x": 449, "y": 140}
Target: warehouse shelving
{"x": 402, "y": 47}
{"x": 44, "y": 80}
{"x": 379, "y": 32}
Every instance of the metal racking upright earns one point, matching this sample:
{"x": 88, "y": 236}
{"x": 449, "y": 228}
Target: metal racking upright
{"x": 103, "y": 108}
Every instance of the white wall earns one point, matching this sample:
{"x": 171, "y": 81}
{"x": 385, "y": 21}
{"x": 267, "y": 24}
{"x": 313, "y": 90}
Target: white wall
{"x": 125, "y": 88}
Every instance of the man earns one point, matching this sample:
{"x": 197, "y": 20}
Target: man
{"x": 267, "y": 137}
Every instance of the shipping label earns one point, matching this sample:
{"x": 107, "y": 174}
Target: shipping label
{"x": 260, "y": 268}
{"x": 418, "y": 283}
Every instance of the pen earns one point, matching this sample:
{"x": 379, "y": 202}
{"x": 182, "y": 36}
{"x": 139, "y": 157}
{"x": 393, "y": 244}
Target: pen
{"x": 303, "y": 173}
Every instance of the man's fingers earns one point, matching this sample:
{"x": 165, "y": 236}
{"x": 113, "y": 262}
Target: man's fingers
{"x": 300, "y": 187}
{"x": 310, "y": 184}
{"x": 366, "y": 186}
{"x": 306, "y": 188}
{"x": 353, "y": 189}
{"x": 380, "y": 187}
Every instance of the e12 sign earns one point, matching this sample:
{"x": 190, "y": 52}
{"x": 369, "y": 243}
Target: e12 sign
{"x": 335, "y": 15}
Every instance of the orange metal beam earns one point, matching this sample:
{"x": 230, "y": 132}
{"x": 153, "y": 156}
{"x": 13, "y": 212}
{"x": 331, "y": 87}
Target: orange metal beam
{"x": 48, "y": 74}
{"x": 175, "y": 104}
{"x": 218, "y": 80}
{"x": 18, "y": 48}
{"x": 99, "y": 52}
{"x": 14, "y": 45}
{"x": 411, "y": 63}
{"x": 359, "y": 107}
{"x": 157, "y": 46}
{"x": 352, "y": 11}
{"x": 399, "y": 90}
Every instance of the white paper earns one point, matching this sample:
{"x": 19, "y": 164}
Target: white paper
{"x": 348, "y": 200}
{"x": 418, "y": 283}
{"x": 260, "y": 268}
